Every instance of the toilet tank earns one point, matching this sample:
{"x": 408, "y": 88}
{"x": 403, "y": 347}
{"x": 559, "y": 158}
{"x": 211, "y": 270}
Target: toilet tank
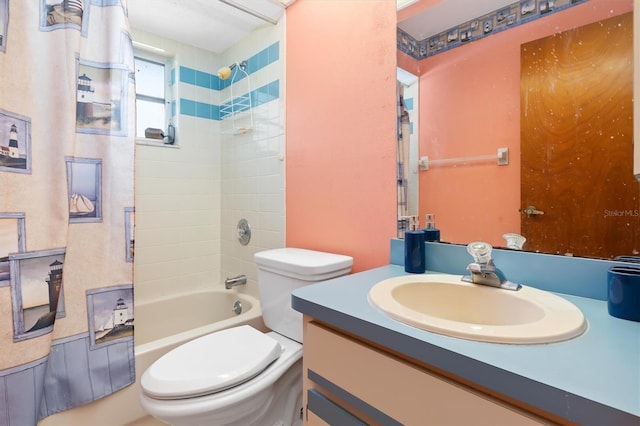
{"x": 280, "y": 271}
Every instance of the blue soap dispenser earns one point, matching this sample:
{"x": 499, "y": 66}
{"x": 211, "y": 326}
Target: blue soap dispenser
{"x": 414, "y": 250}
{"x": 431, "y": 233}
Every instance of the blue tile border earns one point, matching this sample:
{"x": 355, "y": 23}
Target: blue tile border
{"x": 187, "y": 75}
{"x": 207, "y": 80}
{"x": 259, "y": 96}
{"x": 187, "y": 107}
{"x": 203, "y": 110}
{"x": 409, "y": 103}
{"x": 203, "y": 79}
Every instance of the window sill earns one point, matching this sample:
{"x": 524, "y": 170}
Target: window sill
{"x": 155, "y": 142}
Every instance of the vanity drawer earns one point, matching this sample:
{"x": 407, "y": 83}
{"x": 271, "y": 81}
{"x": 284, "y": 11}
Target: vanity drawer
{"x": 394, "y": 389}
{"x": 322, "y": 411}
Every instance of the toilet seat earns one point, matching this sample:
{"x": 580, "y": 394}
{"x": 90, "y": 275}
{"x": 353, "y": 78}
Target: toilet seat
{"x": 211, "y": 364}
{"x": 241, "y": 405}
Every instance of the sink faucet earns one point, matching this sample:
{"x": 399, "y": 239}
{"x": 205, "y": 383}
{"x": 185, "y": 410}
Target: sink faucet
{"x": 232, "y": 282}
{"x": 484, "y": 271}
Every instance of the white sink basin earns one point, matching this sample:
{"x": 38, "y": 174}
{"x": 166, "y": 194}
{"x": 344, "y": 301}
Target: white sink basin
{"x": 444, "y": 304}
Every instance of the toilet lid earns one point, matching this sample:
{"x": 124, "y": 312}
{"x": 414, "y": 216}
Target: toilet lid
{"x": 210, "y": 363}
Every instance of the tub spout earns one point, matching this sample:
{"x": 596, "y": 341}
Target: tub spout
{"x": 234, "y": 281}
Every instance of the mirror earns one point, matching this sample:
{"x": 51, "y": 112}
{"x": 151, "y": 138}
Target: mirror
{"x": 473, "y": 101}
{"x": 407, "y": 145}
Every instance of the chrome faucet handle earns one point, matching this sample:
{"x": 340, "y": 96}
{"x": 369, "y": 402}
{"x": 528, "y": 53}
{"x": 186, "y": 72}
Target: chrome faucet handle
{"x": 474, "y": 267}
{"x": 488, "y": 267}
{"x": 481, "y": 252}
{"x": 482, "y": 267}
{"x": 489, "y": 275}
{"x": 483, "y": 270}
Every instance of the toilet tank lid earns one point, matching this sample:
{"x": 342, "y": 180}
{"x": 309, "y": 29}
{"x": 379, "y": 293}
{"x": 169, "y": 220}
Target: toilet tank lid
{"x": 303, "y": 262}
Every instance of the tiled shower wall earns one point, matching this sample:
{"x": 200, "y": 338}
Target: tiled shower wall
{"x": 190, "y": 198}
{"x": 253, "y": 164}
{"x": 177, "y": 237}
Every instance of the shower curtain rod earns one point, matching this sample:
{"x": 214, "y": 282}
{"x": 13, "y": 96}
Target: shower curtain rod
{"x": 249, "y": 11}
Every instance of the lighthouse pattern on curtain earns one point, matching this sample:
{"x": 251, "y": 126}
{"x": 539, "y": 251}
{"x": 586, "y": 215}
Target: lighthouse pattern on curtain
{"x": 15, "y": 142}
{"x": 66, "y": 210}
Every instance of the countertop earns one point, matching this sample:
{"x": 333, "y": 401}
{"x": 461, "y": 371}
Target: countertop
{"x": 591, "y": 379}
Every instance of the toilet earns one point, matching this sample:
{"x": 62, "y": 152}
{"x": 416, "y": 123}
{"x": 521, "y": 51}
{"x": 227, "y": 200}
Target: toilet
{"x": 242, "y": 376}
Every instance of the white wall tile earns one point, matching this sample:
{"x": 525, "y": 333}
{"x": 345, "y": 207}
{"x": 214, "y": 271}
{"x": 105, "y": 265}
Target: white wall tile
{"x": 178, "y": 199}
{"x": 189, "y": 200}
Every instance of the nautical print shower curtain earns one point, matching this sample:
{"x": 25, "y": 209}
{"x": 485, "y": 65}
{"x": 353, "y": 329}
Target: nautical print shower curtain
{"x": 66, "y": 205}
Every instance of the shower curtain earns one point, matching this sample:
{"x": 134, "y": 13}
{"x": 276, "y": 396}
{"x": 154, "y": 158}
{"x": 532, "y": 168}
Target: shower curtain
{"x": 67, "y": 100}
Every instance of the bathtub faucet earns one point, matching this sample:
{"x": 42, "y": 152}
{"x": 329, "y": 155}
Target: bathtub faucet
{"x": 488, "y": 274}
{"x": 234, "y": 281}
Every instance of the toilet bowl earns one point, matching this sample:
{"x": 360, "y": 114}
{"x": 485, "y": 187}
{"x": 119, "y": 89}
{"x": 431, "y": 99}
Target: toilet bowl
{"x": 192, "y": 395}
{"x": 242, "y": 376}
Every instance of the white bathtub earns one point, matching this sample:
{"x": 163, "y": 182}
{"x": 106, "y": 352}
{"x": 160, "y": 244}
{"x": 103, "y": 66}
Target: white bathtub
{"x": 164, "y": 322}
{"x": 160, "y": 326}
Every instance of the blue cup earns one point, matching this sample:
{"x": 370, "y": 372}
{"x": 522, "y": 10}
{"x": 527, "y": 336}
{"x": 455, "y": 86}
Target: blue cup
{"x": 632, "y": 259}
{"x": 624, "y": 292}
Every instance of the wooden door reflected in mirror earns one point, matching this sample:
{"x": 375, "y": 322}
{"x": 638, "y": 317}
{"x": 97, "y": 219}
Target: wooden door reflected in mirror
{"x": 577, "y": 154}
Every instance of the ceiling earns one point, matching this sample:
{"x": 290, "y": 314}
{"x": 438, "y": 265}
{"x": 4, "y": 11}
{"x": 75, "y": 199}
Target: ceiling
{"x": 215, "y": 26}
{"x": 211, "y": 25}
{"x": 447, "y": 14}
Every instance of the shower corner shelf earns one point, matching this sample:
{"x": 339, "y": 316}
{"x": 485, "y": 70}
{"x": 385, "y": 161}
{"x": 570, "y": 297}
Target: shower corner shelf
{"x": 237, "y": 131}
{"x": 231, "y": 108}
{"x": 238, "y": 109}
{"x": 239, "y": 112}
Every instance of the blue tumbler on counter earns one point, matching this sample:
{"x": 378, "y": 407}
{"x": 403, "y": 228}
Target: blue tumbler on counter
{"x": 624, "y": 292}
{"x": 632, "y": 259}
{"x": 414, "y": 249}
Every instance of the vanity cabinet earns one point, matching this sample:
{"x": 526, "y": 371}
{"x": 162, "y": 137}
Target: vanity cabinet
{"x": 349, "y": 382}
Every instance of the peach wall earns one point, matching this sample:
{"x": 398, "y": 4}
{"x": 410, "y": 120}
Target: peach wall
{"x": 341, "y": 127}
{"x": 416, "y": 8}
{"x": 408, "y": 63}
{"x": 470, "y": 105}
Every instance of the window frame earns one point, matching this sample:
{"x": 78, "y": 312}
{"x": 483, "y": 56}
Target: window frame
{"x": 166, "y": 61}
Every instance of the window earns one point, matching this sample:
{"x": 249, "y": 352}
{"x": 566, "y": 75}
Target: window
{"x": 153, "y": 97}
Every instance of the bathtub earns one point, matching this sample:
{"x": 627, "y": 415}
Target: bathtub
{"x": 162, "y": 325}
{"x": 168, "y": 322}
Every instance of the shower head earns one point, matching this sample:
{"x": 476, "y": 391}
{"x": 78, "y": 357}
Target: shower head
{"x": 225, "y": 72}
